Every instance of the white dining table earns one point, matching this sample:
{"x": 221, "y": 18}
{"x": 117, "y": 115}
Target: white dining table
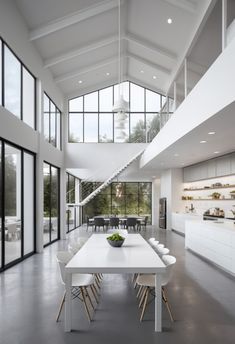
{"x": 97, "y": 256}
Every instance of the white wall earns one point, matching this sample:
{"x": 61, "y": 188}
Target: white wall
{"x": 155, "y": 201}
{"x": 99, "y": 160}
{"x": 171, "y": 188}
{"x": 212, "y": 93}
{"x": 14, "y": 31}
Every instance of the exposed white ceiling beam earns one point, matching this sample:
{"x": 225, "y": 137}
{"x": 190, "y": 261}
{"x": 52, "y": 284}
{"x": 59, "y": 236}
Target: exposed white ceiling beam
{"x": 91, "y": 68}
{"x": 147, "y": 45}
{"x": 72, "y": 19}
{"x": 202, "y": 18}
{"x": 102, "y": 43}
{"x": 77, "y": 52}
{"x": 189, "y": 6}
{"x": 145, "y": 84}
{"x": 149, "y": 63}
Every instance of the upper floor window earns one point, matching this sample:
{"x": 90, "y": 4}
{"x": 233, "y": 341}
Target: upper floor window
{"x": 17, "y": 86}
{"x": 91, "y": 118}
{"x": 52, "y": 122}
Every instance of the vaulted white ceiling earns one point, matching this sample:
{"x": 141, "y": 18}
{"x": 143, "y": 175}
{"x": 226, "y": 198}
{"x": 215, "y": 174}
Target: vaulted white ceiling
{"x": 78, "y": 40}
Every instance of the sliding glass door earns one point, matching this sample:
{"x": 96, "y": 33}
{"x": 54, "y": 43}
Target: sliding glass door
{"x": 17, "y": 204}
{"x": 13, "y": 203}
{"x": 51, "y": 217}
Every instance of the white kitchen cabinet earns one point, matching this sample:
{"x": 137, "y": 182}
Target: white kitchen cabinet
{"x": 211, "y": 168}
{"x": 232, "y": 162}
{"x": 218, "y": 167}
{"x": 223, "y": 166}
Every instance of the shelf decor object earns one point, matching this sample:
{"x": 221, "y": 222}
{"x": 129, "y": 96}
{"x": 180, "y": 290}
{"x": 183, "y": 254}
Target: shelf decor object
{"x": 215, "y": 195}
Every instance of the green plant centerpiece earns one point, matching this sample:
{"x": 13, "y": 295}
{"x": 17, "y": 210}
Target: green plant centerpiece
{"x": 115, "y": 240}
{"x": 215, "y": 195}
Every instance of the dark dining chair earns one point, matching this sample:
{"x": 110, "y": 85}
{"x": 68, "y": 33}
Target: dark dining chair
{"x": 131, "y": 222}
{"x": 114, "y": 222}
{"x": 89, "y": 222}
{"x": 143, "y": 223}
{"x": 99, "y": 222}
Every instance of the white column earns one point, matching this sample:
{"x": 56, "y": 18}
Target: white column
{"x": 39, "y": 170}
{"x": 18, "y": 185}
{"x": 175, "y": 96}
{"x": 63, "y": 175}
{"x": 62, "y": 203}
{"x": 155, "y": 201}
{"x": 185, "y": 78}
{"x": 224, "y": 23}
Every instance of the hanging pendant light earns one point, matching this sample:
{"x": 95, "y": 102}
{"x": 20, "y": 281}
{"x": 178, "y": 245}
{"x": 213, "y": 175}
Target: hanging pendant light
{"x": 121, "y": 106}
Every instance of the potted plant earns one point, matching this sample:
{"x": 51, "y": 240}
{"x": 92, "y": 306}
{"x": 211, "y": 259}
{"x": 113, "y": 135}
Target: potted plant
{"x": 215, "y": 195}
{"x": 115, "y": 240}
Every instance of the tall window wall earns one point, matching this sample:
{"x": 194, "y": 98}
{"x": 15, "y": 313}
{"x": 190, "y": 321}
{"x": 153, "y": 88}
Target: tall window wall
{"x": 17, "y": 204}
{"x": 72, "y": 212}
{"x": 52, "y": 122}
{"x": 17, "y": 86}
{"x": 91, "y": 118}
{"x": 120, "y": 199}
{"x": 51, "y": 229}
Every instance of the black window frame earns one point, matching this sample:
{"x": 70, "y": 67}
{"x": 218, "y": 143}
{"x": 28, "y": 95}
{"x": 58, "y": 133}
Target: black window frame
{"x": 2, "y": 200}
{"x": 22, "y": 65}
{"x": 57, "y": 112}
{"x": 58, "y": 202}
{"x": 109, "y": 112}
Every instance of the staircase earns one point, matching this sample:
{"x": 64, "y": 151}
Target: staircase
{"x": 109, "y": 180}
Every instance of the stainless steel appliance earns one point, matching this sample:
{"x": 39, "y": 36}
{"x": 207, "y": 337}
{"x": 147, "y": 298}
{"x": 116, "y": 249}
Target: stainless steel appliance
{"x": 162, "y": 213}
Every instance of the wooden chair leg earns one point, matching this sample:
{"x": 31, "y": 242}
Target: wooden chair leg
{"x": 61, "y": 307}
{"x": 94, "y": 294}
{"x": 143, "y": 296}
{"x": 89, "y": 298}
{"x": 145, "y": 304}
{"x": 167, "y": 304}
{"x": 139, "y": 291}
{"x": 85, "y": 304}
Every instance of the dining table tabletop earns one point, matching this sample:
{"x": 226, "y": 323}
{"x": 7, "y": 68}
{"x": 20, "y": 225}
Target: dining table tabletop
{"x": 97, "y": 256}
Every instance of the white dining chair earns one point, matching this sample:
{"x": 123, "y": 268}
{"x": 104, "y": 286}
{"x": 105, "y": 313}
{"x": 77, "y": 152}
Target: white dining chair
{"x": 147, "y": 282}
{"x": 80, "y": 284}
{"x": 161, "y": 251}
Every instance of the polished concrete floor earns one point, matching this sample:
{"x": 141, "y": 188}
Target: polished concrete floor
{"x": 202, "y": 299}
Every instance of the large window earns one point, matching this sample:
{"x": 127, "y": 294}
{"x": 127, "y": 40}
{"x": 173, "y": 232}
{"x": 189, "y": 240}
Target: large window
{"x": 51, "y": 216}
{"x": 121, "y": 199}
{"x": 17, "y": 86}
{"x": 72, "y": 197}
{"x": 91, "y": 118}
{"x": 52, "y": 122}
{"x": 17, "y": 204}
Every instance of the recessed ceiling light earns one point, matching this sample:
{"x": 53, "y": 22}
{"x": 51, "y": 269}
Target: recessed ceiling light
{"x": 80, "y": 81}
{"x": 107, "y": 73}
{"x": 203, "y": 141}
{"x": 182, "y": 163}
{"x": 169, "y": 21}
{"x": 154, "y": 77}
{"x": 153, "y": 176}
{"x": 216, "y": 152}
{"x": 142, "y": 71}
{"x": 176, "y": 154}
{"x": 211, "y": 133}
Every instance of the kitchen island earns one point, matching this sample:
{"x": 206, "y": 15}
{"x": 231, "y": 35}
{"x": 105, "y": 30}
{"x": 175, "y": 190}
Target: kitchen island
{"x": 213, "y": 240}
{"x": 178, "y": 220}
